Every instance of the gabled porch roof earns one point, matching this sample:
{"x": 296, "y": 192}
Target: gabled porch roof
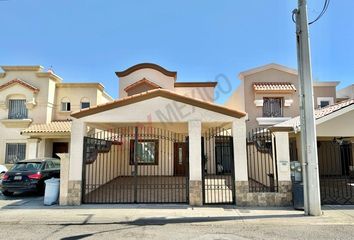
{"x": 166, "y": 94}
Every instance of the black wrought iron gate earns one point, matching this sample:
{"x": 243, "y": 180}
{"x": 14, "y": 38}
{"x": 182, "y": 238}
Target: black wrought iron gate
{"x": 135, "y": 165}
{"x": 336, "y": 168}
{"x": 218, "y": 175}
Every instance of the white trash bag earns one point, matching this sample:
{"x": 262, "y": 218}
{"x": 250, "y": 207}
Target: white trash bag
{"x": 51, "y": 194}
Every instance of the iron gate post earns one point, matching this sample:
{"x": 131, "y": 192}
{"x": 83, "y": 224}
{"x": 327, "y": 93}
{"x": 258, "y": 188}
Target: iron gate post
{"x": 135, "y": 165}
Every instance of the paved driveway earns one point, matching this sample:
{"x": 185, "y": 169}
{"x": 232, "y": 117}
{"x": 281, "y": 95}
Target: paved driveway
{"x": 25, "y": 200}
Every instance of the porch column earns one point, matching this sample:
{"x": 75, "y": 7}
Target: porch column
{"x": 64, "y": 175}
{"x": 283, "y": 166}
{"x": 240, "y": 160}
{"x": 195, "y": 163}
{"x": 32, "y": 145}
{"x": 78, "y": 132}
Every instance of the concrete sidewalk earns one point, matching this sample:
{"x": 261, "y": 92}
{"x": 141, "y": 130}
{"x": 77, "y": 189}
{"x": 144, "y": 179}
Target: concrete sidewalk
{"x": 28, "y": 209}
{"x": 141, "y": 214}
{"x": 27, "y": 218}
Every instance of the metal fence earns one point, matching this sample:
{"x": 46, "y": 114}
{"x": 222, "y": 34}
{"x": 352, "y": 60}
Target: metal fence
{"x": 261, "y": 161}
{"x": 218, "y": 167}
{"x": 135, "y": 165}
{"x": 336, "y": 169}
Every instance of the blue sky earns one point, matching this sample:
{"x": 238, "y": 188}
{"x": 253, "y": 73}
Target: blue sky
{"x": 88, "y": 40}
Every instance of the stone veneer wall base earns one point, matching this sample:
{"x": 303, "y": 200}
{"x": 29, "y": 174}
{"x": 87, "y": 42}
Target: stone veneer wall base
{"x": 74, "y": 194}
{"x": 282, "y": 198}
{"x": 195, "y": 193}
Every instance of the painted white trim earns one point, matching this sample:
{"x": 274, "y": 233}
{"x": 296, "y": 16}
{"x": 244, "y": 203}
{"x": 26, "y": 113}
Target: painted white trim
{"x": 258, "y": 103}
{"x": 266, "y": 67}
{"x": 16, "y": 123}
{"x": 271, "y": 120}
{"x": 326, "y": 84}
{"x": 288, "y": 102}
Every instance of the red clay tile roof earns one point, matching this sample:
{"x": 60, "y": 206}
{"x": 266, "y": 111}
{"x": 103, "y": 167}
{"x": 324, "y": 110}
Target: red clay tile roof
{"x": 142, "y": 81}
{"x": 319, "y": 113}
{"x": 274, "y": 87}
{"x": 158, "y": 93}
{"x": 19, "y": 81}
{"x": 52, "y": 127}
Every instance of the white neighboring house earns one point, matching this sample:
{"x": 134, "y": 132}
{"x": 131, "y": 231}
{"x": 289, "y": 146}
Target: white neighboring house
{"x": 346, "y": 93}
{"x": 35, "y": 108}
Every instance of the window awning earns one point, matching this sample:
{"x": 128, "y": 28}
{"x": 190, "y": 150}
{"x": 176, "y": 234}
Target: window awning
{"x": 55, "y": 128}
{"x": 274, "y": 87}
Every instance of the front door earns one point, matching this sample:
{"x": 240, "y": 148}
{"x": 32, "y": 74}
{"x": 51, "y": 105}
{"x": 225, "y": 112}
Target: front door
{"x": 180, "y": 159}
{"x": 60, "y": 147}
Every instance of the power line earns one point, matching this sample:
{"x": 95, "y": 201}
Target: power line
{"x": 324, "y": 9}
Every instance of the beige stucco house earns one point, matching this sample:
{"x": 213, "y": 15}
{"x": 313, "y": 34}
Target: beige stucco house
{"x": 270, "y": 95}
{"x": 161, "y": 141}
{"x": 35, "y": 108}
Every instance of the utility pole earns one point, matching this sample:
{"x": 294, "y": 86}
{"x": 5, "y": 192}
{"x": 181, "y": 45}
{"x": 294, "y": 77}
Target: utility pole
{"x": 312, "y": 201}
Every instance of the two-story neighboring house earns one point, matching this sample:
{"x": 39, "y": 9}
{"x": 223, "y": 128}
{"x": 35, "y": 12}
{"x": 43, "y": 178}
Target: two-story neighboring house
{"x": 269, "y": 95}
{"x": 35, "y": 108}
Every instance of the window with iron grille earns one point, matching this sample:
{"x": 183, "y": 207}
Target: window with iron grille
{"x": 272, "y": 107}
{"x": 147, "y": 152}
{"x": 15, "y": 152}
{"x": 17, "y": 109}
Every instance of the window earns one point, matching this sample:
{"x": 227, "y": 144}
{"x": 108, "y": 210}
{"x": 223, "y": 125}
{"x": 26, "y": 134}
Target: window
{"x": 15, "y": 152}
{"x": 65, "y": 105}
{"x": 323, "y": 104}
{"x": 272, "y": 107}
{"x": 85, "y": 105}
{"x": 147, "y": 152}
{"x": 17, "y": 109}
{"x": 27, "y": 166}
{"x": 324, "y": 101}
{"x": 49, "y": 165}
{"x": 56, "y": 164}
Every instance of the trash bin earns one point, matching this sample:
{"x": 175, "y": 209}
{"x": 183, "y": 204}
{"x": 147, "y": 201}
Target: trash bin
{"x": 51, "y": 194}
{"x": 298, "y": 186}
{"x": 298, "y": 195}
